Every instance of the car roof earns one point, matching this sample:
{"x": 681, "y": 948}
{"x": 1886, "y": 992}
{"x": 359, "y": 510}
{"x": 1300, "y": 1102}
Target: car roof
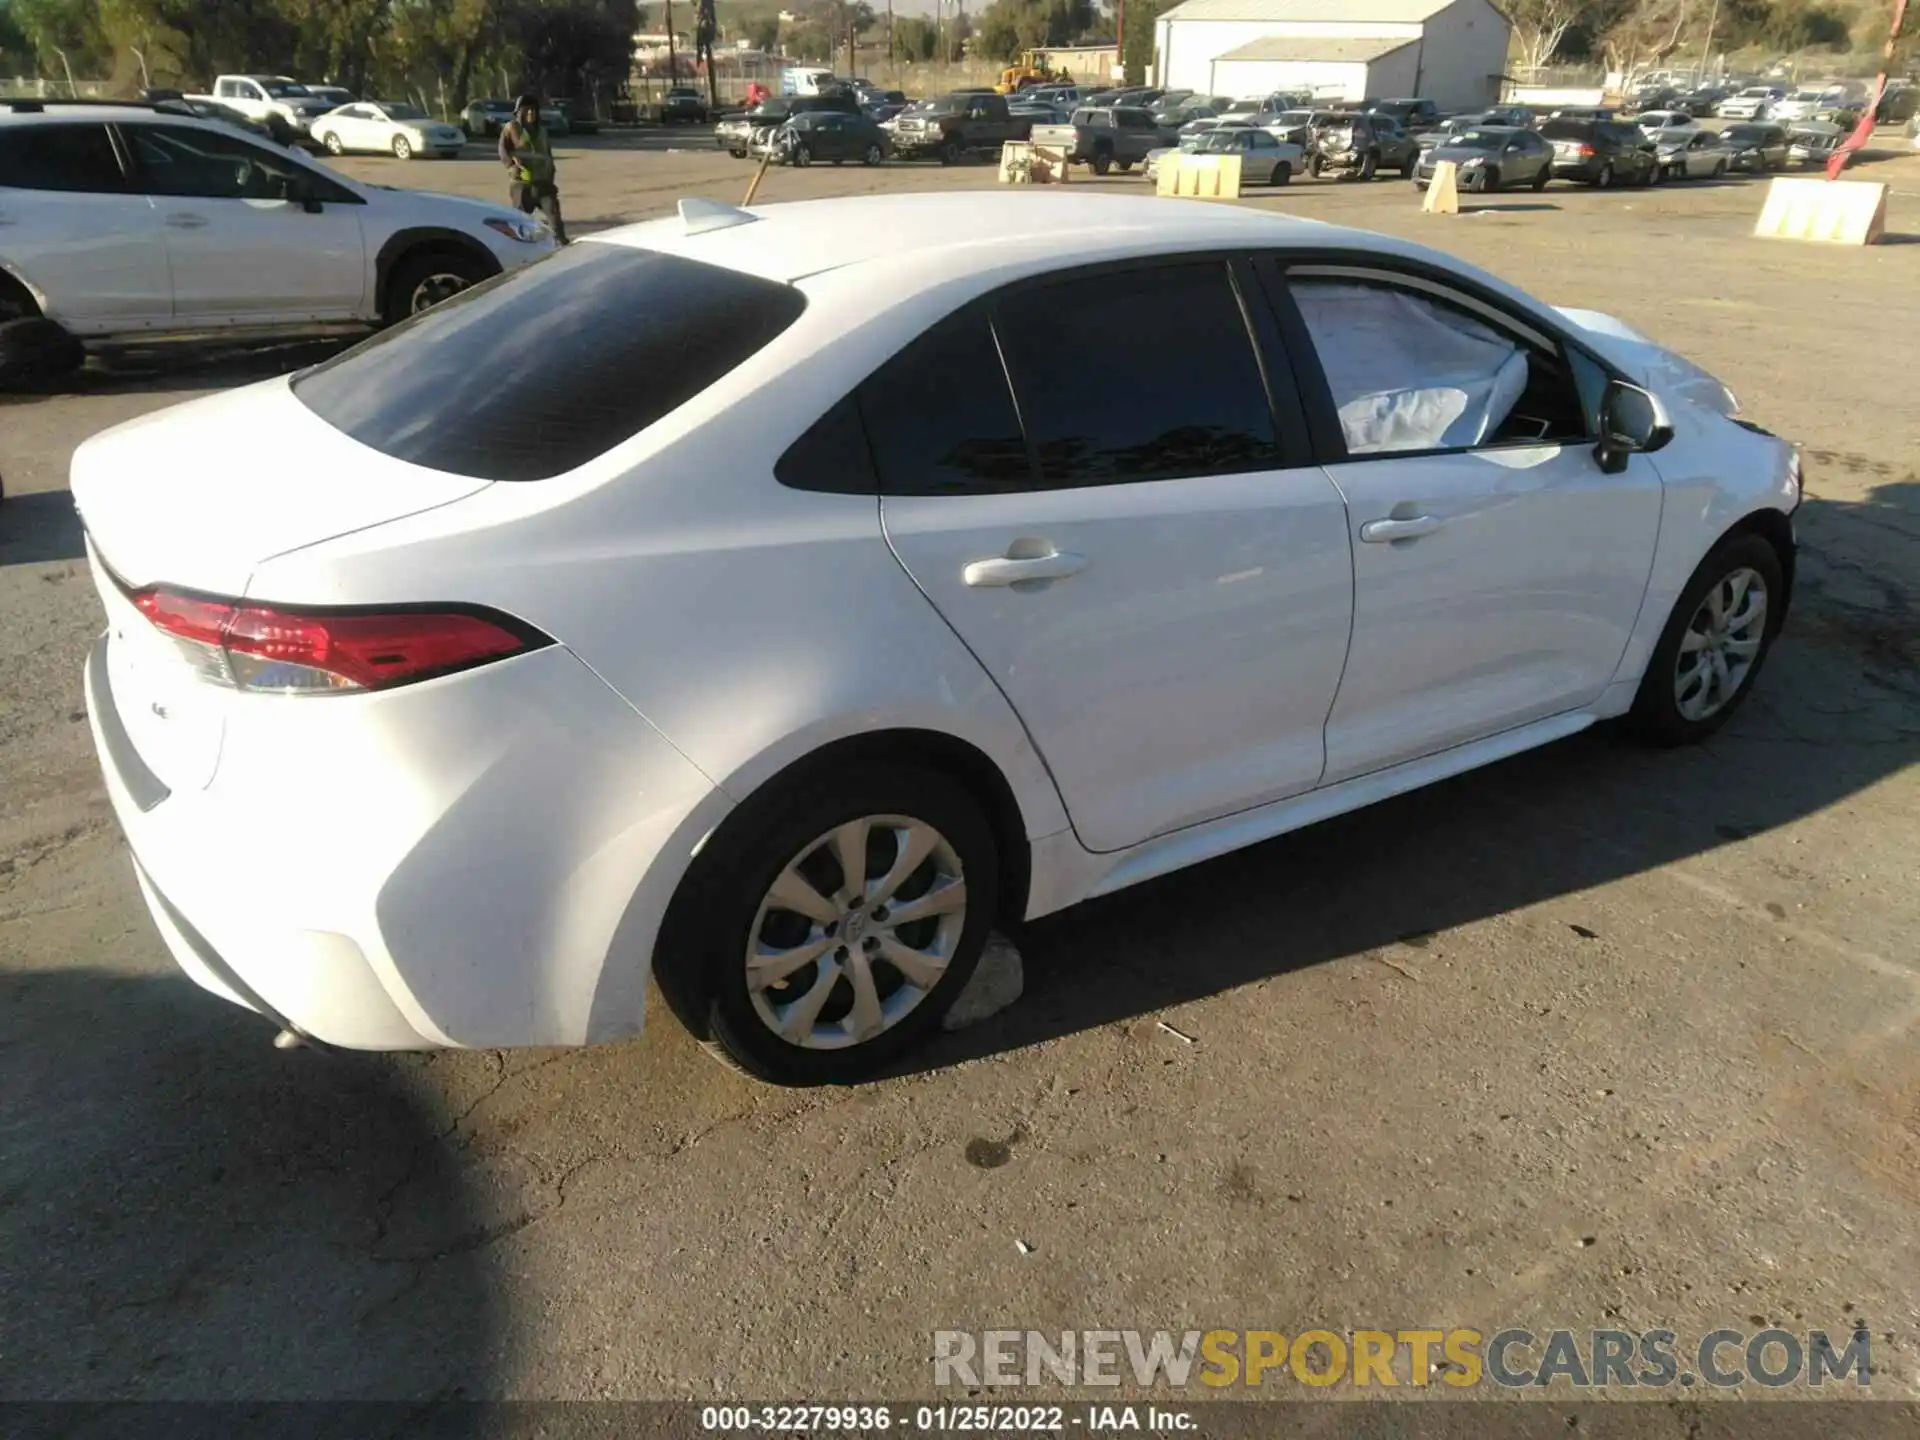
{"x": 960, "y": 232}
{"x": 123, "y": 114}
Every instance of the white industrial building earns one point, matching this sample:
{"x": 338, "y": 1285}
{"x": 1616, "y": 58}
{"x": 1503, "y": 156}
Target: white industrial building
{"x": 1452, "y": 52}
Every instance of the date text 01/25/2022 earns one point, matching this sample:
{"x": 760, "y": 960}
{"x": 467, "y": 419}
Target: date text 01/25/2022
{"x": 956, "y": 1419}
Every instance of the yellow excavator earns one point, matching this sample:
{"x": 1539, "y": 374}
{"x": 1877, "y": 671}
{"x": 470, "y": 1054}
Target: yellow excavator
{"x": 1033, "y": 69}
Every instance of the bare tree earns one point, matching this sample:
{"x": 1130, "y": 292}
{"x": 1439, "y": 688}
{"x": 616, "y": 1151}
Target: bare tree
{"x": 1541, "y": 26}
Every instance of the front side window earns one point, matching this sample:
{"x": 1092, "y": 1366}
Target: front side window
{"x": 1097, "y": 413}
{"x": 210, "y": 164}
{"x": 538, "y": 372}
{"x": 1409, "y": 371}
{"x": 71, "y": 158}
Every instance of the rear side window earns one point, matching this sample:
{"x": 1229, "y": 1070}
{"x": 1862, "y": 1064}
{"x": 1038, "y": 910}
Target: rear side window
{"x": 536, "y": 373}
{"x": 73, "y": 158}
{"x": 1160, "y": 385}
{"x": 940, "y": 417}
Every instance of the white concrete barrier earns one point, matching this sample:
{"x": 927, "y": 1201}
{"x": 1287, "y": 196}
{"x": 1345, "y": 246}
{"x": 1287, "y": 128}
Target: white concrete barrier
{"x": 1443, "y": 195}
{"x": 1833, "y": 212}
{"x": 1208, "y": 177}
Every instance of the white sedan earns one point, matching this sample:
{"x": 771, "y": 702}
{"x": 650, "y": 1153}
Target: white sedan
{"x": 838, "y": 585}
{"x": 1664, "y": 127}
{"x": 387, "y": 128}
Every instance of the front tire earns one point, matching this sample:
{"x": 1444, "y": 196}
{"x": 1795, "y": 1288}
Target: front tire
{"x": 1100, "y": 163}
{"x": 802, "y": 157}
{"x": 831, "y": 990}
{"x": 402, "y": 148}
{"x": 873, "y": 156}
{"x": 36, "y": 352}
{"x": 1715, "y": 642}
{"x": 951, "y": 153}
{"x": 423, "y": 281}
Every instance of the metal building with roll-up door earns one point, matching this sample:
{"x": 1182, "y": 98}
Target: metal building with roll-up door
{"x": 1452, "y": 52}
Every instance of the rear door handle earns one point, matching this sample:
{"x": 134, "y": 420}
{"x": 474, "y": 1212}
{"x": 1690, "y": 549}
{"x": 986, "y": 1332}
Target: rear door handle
{"x": 1010, "y": 569}
{"x": 186, "y": 222}
{"x": 1378, "y": 532}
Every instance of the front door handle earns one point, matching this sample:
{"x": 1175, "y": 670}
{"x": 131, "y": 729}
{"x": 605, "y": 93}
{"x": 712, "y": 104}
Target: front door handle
{"x": 1012, "y": 569}
{"x": 186, "y": 222}
{"x": 1412, "y": 527}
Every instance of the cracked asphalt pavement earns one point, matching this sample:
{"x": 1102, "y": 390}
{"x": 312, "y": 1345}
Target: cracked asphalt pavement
{"x": 1597, "y": 1036}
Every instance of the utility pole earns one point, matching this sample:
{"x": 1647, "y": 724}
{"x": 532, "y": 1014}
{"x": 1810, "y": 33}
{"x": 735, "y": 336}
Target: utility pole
{"x": 1120, "y": 38}
{"x": 670, "y": 57}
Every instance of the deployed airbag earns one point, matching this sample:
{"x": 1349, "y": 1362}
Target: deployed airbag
{"x": 1408, "y": 373}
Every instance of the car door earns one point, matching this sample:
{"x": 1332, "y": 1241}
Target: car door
{"x": 349, "y": 122}
{"x": 76, "y": 230}
{"x": 1703, "y": 154}
{"x": 1498, "y": 570}
{"x": 242, "y": 245}
{"x": 1136, "y": 549}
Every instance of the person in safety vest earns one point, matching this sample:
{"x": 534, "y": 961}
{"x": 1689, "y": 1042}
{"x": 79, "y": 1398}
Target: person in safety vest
{"x": 527, "y": 151}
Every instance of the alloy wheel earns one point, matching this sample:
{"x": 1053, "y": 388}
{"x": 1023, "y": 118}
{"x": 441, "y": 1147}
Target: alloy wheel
{"x": 432, "y": 289}
{"x": 855, "y": 932}
{"x": 1721, "y": 643}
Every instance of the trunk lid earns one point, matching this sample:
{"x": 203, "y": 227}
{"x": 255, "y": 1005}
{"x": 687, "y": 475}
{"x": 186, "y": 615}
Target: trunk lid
{"x": 199, "y": 494}
{"x": 196, "y": 497}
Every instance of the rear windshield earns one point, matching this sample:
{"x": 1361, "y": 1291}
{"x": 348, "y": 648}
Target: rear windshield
{"x": 1567, "y": 129}
{"x": 535, "y": 373}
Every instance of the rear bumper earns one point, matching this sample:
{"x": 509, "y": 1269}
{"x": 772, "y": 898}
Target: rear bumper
{"x": 481, "y": 860}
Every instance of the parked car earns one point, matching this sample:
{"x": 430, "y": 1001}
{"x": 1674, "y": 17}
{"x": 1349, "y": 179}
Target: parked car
{"x": 1799, "y": 105}
{"x": 1490, "y": 158}
{"x": 1755, "y": 148}
{"x": 1703, "y": 102}
{"x": 487, "y": 118}
{"x": 214, "y": 110}
{"x": 738, "y": 134}
{"x": 1812, "y": 142}
{"x": 1697, "y": 156}
{"x": 1298, "y": 125}
{"x": 1897, "y": 105}
{"x": 831, "y": 136}
{"x": 958, "y": 125}
{"x": 1584, "y": 112}
{"x": 281, "y": 103}
{"x": 129, "y": 221}
{"x": 1349, "y": 143}
{"x": 1601, "y": 152}
{"x": 1414, "y": 116}
{"x": 683, "y": 105}
{"x": 577, "y": 118}
{"x": 387, "y": 127}
{"x": 1755, "y": 102}
{"x": 1451, "y": 126}
{"x": 1115, "y": 137}
{"x": 1264, "y": 158}
{"x": 494, "y": 774}
{"x": 1662, "y": 126}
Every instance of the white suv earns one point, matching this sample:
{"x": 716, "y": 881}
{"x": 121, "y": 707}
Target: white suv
{"x": 120, "y": 220}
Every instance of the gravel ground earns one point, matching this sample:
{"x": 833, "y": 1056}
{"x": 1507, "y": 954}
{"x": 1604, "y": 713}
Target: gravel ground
{"x": 1595, "y": 1037}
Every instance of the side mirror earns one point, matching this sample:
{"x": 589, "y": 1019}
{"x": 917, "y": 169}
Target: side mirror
{"x": 1632, "y": 422}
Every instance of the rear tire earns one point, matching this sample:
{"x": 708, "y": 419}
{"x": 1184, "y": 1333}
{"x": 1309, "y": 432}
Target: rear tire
{"x": 332, "y": 142}
{"x": 1282, "y": 174}
{"x": 420, "y": 282}
{"x": 1657, "y": 716}
{"x": 36, "y": 352}
{"x": 1604, "y": 180}
{"x": 1368, "y": 164}
{"x": 728, "y": 911}
{"x": 1540, "y": 180}
{"x": 1100, "y": 163}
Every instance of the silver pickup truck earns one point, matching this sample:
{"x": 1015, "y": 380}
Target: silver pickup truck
{"x": 1115, "y": 138}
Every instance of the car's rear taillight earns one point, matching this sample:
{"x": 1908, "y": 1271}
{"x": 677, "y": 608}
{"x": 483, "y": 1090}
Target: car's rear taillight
{"x": 330, "y": 650}
{"x": 1586, "y": 152}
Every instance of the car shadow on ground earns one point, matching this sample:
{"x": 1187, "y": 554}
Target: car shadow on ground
{"x": 187, "y": 1213}
{"x": 39, "y": 529}
{"x": 1836, "y": 710}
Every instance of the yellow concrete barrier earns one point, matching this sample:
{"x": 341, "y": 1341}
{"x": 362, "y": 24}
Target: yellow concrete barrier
{"x": 1834, "y": 212}
{"x": 1207, "y": 177}
{"x": 1443, "y": 195}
